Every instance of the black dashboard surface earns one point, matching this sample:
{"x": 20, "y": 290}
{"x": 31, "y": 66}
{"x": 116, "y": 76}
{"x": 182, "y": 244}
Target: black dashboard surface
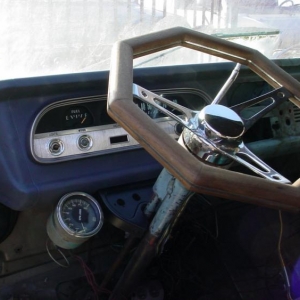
{"x": 25, "y": 182}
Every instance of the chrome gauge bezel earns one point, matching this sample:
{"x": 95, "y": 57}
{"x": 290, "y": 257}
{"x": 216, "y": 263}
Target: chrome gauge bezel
{"x": 91, "y": 201}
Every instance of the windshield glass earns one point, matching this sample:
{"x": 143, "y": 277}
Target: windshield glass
{"x": 43, "y": 37}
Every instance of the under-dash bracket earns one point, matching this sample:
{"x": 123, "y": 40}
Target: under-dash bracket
{"x": 124, "y": 207}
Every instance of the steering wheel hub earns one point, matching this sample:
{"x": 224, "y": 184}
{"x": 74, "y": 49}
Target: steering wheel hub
{"x": 219, "y": 127}
{"x": 200, "y": 146}
{"x": 221, "y": 121}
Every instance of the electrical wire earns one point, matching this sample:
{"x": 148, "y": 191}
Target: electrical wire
{"x": 279, "y": 245}
{"x": 60, "y": 252}
{"x": 91, "y": 279}
{"x": 283, "y": 265}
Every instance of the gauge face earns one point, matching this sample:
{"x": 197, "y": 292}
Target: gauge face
{"x": 79, "y": 214}
{"x": 77, "y": 117}
{"x": 153, "y": 112}
{"x": 190, "y": 100}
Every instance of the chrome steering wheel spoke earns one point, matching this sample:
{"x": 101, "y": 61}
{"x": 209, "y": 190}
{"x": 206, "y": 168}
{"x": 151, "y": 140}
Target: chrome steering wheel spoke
{"x": 187, "y": 116}
{"x": 277, "y": 97}
{"x": 244, "y": 156}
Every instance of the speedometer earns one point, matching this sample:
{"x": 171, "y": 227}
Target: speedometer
{"x": 192, "y": 99}
{"x": 153, "y": 112}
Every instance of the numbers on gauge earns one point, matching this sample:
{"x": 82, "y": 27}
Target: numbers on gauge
{"x": 79, "y": 216}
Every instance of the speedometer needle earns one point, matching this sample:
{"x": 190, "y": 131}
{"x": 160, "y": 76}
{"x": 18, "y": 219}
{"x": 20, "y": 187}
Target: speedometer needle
{"x": 83, "y": 120}
{"x": 83, "y": 227}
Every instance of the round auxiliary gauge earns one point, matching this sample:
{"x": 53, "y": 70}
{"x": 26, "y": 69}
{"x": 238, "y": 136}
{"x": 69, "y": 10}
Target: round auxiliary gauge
{"x": 76, "y": 218}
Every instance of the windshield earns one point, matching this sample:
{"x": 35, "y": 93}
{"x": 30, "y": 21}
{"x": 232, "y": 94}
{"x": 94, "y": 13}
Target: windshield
{"x": 43, "y": 37}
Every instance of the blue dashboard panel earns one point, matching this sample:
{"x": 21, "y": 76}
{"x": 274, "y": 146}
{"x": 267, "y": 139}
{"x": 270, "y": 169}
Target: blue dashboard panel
{"x": 25, "y": 183}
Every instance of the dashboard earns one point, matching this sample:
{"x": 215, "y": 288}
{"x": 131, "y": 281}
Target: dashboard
{"x": 56, "y": 136}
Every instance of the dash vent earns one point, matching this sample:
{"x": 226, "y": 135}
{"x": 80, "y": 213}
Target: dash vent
{"x": 296, "y": 113}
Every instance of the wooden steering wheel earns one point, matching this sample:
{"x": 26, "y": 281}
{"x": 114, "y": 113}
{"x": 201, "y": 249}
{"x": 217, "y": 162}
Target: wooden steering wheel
{"x": 195, "y": 175}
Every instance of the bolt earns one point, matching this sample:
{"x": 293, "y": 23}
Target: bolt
{"x": 18, "y": 249}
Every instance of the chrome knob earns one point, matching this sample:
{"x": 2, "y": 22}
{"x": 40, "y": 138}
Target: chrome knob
{"x": 85, "y": 142}
{"x": 56, "y": 147}
{"x": 221, "y": 121}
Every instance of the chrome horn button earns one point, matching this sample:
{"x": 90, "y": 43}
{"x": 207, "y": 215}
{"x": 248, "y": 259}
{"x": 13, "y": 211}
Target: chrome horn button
{"x": 222, "y": 121}
{"x": 219, "y": 128}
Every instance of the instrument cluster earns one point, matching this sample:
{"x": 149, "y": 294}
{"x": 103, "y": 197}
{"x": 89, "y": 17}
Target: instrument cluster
{"x": 76, "y": 128}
